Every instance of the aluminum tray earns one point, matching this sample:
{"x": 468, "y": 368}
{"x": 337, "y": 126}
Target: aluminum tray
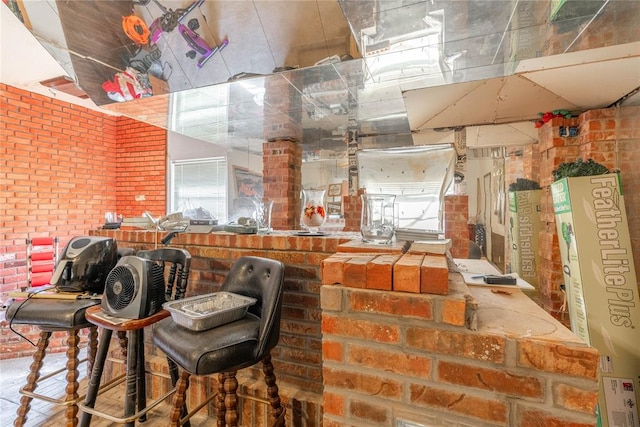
{"x": 204, "y": 312}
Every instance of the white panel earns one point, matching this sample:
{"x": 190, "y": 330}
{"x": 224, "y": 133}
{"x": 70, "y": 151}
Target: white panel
{"x": 522, "y": 99}
{"x": 18, "y": 59}
{"x": 580, "y": 57}
{"x": 478, "y": 106}
{"x": 424, "y": 104}
{"x": 591, "y": 85}
{"x": 523, "y": 133}
{"x": 428, "y": 136}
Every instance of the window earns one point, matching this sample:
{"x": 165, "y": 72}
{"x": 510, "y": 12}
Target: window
{"x": 418, "y": 176}
{"x": 200, "y": 183}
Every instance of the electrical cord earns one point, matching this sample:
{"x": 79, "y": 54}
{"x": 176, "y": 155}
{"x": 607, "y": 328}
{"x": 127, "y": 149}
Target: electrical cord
{"x": 31, "y": 295}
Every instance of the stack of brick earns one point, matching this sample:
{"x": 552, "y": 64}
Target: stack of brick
{"x": 398, "y": 267}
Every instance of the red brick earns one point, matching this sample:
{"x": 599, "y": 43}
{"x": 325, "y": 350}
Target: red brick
{"x": 332, "y": 350}
{"x": 333, "y": 403}
{"x": 434, "y": 275}
{"x": 357, "y": 246}
{"x": 536, "y": 418}
{"x": 392, "y": 303}
{"x": 361, "y": 329}
{"x": 493, "y": 411}
{"x": 354, "y": 271}
{"x": 499, "y": 381}
{"x": 398, "y": 362}
{"x": 476, "y": 346}
{"x": 575, "y": 399}
{"x": 406, "y": 273}
{"x": 454, "y": 311}
{"x": 375, "y": 414}
{"x": 380, "y": 272}
{"x": 379, "y": 386}
{"x": 332, "y": 270}
{"x": 558, "y": 358}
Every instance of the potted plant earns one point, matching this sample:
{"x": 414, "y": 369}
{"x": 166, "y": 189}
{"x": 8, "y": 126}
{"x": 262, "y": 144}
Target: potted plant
{"x": 578, "y": 168}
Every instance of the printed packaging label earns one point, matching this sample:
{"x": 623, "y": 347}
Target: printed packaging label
{"x": 524, "y": 226}
{"x": 601, "y": 286}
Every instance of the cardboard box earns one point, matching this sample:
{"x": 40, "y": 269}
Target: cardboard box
{"x": 524, "y": 226}
{"x": 601, "y": 286}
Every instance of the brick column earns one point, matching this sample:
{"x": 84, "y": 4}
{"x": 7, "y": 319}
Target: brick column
{"x": 531, "y": 162}
{"x": 282, "y": 181}
{"x": 554, "y": 150}
{"x": 352, "y": 211}
{"x": 282, "y": 153}
{"x": 608, "y": 136}
{"x": 456, "y": 218}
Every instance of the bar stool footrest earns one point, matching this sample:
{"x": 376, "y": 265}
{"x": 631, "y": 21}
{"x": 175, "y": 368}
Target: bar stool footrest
{"x": 131, "y": 418}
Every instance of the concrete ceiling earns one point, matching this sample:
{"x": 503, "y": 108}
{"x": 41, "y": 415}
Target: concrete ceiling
{"x": 422, "y": 69}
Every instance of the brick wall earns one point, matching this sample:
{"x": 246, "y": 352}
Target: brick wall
{"x": 609, "y": 136}
{"x": 410, "y": 356}
{"x": 297, "y": 358}
{"x": 443, "y": 358}
{"x": 362, "y": 357}
{"x": 57, "y": 170}
{"x": 61, "y": 168}
{"x": 141, "y": 168}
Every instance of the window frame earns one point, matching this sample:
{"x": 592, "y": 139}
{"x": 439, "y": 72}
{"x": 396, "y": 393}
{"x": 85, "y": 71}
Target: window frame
{"x": 221, "y": 213}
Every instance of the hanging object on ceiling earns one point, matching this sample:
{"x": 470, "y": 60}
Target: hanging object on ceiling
{"x": 128, "y": 85}
{"x": 136, "y": 29}
{"x": 200, "y": 45}
{"x": 170, "y": 19}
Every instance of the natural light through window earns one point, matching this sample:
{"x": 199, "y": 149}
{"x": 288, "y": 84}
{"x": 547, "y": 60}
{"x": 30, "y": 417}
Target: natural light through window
{"x": 200, "y": 183}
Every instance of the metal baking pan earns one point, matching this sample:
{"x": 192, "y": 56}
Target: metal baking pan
{"x": 208, "y": 311}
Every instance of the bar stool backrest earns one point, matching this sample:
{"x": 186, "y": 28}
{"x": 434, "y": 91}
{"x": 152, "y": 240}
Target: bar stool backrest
{"x": 179, "y": 263}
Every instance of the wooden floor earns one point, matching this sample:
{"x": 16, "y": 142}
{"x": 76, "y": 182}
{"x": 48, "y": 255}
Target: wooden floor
{"x": 13, "y": 374}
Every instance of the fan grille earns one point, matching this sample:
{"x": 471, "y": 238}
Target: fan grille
{"x": 157, "y": 290}
{"x": 120, "y": 287}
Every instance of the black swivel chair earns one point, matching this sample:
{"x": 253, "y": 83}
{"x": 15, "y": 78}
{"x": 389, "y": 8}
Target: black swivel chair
{"x": 227, "y": 348}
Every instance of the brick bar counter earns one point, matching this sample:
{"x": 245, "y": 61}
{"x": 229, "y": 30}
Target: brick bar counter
{"x": 355, "y": 352}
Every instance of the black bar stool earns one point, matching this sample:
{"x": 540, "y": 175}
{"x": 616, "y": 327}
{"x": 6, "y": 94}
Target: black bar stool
{"x": 131, "y": 334}
{"x": 229, "y": 347}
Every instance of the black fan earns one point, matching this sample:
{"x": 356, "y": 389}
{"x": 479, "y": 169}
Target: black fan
{"x": 120, "y": 287}
{"x": 134, "y": 289}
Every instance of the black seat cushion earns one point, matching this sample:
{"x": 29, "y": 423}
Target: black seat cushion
{"x": 226, "y": 348}
{"x": 50, "y": 313}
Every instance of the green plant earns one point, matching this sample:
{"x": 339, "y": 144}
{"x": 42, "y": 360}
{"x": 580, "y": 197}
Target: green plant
{"x": 524, "y": 184}
{"x": 578, "y": 168}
